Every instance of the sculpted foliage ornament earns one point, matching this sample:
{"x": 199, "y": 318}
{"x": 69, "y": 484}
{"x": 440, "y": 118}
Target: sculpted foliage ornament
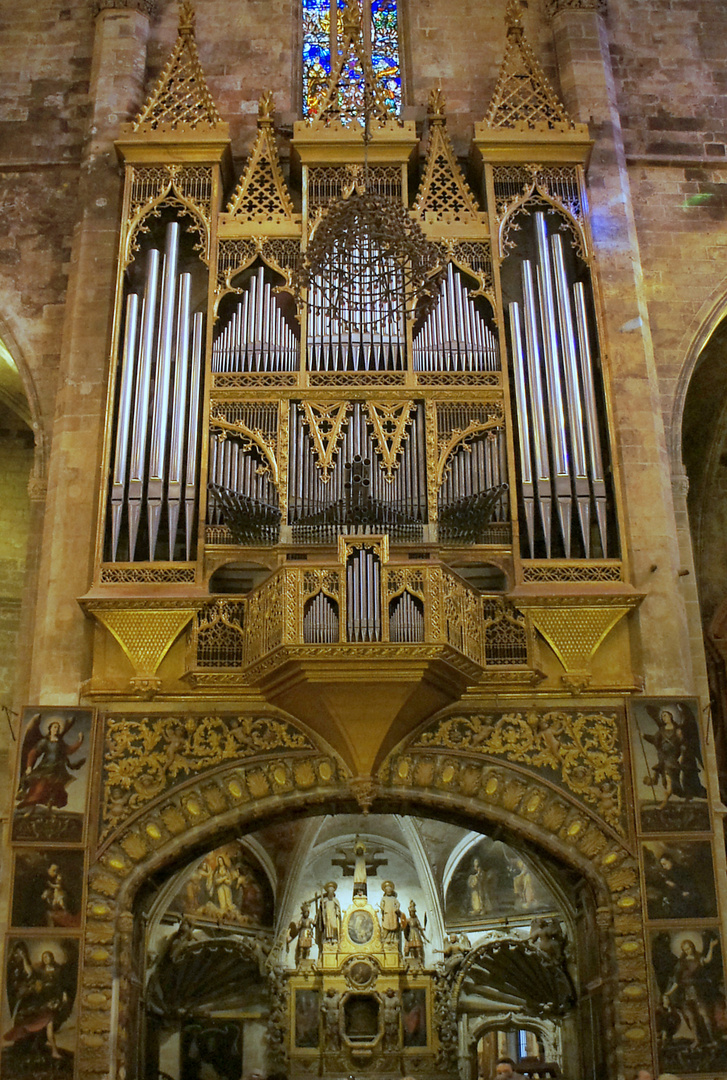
{"x": 580, "y": 750}
{"x": 148, "y": 755}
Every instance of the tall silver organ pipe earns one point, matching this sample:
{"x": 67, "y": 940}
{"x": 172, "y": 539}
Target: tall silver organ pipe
{"x": 158, "y": 371}
{"x": 363, "y": 596}
{"x": 320, "y": 621}
{"x": 406, "y": 619}
{"x": 556, "y": 399}
{"x": 354, "y": 338}
{"x": 256, "y": 336}
{"x": 242, "y": 493}
{"x": 356, "y": 495}
{"x": 454, "y": 336}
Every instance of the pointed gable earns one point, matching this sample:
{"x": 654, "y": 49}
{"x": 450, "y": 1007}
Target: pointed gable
{"x": 523, "y": 97}
{"x": 444, "y": 194}
{"x": 262, "y": 194}
{"x": 181, "y": 98}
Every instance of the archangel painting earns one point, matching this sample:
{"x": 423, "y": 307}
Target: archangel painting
{"x": 668, "y": 765}
{"x": 47, "y": 889}
{"x": 691, "y": 1017}
{"x": 50, "y": 798}
{"x": 679, "y": 879}
{"x": 39, "y": 1026}
{"x": 491, "y": 881}
{"x": 226, "y": 886}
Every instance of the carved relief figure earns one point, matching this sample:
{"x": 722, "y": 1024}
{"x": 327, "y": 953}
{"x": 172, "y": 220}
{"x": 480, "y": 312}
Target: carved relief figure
{"x": 392, "y": 1012}
{"x": 390, "y": 914}
{"x": 330, "y": 1010}
{"x": 547, "y": 935}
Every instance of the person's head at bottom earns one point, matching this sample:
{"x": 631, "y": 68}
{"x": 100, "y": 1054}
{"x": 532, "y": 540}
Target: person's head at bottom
{"x": 505, "y": 1067}
{"x": 643, "y": 1074}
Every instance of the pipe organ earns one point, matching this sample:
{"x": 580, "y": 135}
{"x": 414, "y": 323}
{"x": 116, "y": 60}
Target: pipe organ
{"x": 257, "y": 421}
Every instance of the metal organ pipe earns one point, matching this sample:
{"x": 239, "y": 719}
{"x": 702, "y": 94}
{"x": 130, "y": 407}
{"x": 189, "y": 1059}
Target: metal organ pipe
{"x": 454, "y": 336}
{"x": 122, "y": 437}
{"x": 166, "y": 374}
{"x": 555, "y": 318}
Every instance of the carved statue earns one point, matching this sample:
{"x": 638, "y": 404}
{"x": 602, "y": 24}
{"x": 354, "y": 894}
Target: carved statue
{"x": 302, "y": 933}
{"x": 392, "y": 1011}
{"x": 414, "y": 935}
{"x": 455, "y": 949}
{"x": 328, "y": 916}
{"x": 390, "y": 914}
{"x": 330, "y": 1010}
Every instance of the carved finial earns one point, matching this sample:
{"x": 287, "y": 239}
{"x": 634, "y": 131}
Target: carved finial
{"x": 513, "y": 16}
{"x": 437, "y": 104}
{"x": 266, "y": 108}
{"x": 186, "y": 18}
{"x": 351, "y": 19}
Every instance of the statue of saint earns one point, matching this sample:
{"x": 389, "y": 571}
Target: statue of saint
{"x": 390, "y": 914}
{"x": 329, "y": 915}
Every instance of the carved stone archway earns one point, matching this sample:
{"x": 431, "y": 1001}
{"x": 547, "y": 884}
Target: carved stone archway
{"x": 279, "y": 771}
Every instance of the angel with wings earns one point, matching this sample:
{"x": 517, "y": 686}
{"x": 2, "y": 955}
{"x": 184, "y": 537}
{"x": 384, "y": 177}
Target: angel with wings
{"x": 678, "y": 754}
{"x": 46, "y": 768}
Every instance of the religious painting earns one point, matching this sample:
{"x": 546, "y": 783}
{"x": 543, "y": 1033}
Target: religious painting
{"x": 491, "y": 881}
{"x": 691, "y": 1019}
{"x": 679, "y": 879}
{"x": 307, "y": 1015}
{"x": 212, "y": 1050}
{"x": 39, "y": 1008}
{"x": 414, "y": 1017}
{"x": 668, "y": 765}
{"x": 50, "y": 797}
{"x": 48, "y": 889}
{"x": 229, "y": 886}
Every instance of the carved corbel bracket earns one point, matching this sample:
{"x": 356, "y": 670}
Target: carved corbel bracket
{"x": 145, "y": 631}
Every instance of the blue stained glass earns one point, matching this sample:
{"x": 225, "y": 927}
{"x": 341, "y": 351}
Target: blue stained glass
{"x": 317, "y": 52}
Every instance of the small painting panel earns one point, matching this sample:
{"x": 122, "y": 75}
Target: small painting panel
{"x": 39, "y": 1008}
{"x": 307, "y": 1017}
{"x": 414, "y": 1017}
{"x": 48, "y": 889}
{"x": 228, "y": 886}
{"x": 679, "y": 879}
{"x": 491, "y": 881}
{"x": 212, "y": 1050}
{"x": 691, "y": 1017}
{"x": 50, "y": 797}
{"x": 668, "y": 765}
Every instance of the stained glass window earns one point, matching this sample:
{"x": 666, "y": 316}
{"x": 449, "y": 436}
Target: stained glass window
{"x": 322, "y": 36}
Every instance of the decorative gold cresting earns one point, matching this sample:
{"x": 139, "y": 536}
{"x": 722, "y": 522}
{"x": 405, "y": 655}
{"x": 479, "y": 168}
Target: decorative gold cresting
{"x": 444, "y": 194}
{"x": 181, "y": 98}
{"x": 354, "y": 91}
{"x": 262, "y": 195}
{"x": 389, "y": 424}
{"x": 326, "y": 427}
{"x": 523, "y": 97}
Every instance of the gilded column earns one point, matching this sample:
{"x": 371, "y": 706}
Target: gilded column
{"x": 587, "y": 84}
{"x": 61, "y": 653}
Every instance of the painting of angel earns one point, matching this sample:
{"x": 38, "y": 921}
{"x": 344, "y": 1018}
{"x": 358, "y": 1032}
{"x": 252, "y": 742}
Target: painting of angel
{"x": 41, "y": 980}
{"x": 691, "y": 1020}
{"x": 50, "y": 798}
{"x": 668, "y": 765}
{"x": 47, "y": 889}
{"x": 679, "y": 880}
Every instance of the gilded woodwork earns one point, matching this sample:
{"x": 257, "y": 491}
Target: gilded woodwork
{"x": 325, "y": 423}
{"x": 389, "y": 424}
{"x": 144, "y": 630}
{"x": 261, "y": 197}
{"x": 147, "y": 756}
{"x": 575, "y": 627}
{"x": 445, "y": 204}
